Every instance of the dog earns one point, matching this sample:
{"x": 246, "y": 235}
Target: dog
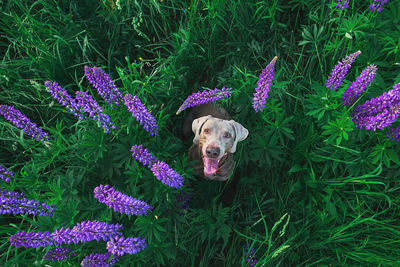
{"x": 215, "y": 140}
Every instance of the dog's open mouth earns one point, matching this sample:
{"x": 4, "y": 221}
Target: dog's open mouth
{"x": 211, "y": 166}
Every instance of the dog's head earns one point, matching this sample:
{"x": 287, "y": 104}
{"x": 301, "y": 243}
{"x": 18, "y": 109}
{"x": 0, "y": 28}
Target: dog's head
{"x": 216, "y": 138}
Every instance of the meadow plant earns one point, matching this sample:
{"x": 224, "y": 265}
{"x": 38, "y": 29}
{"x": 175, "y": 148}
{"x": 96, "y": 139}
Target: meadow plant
{"x": 379, "y": 112}
{"x": 166, "y": 175}
{"x": 21, "y": 121}
{"x": 263, "y": 84}
{"x": 17, "y": 204}
{"x": 5, "y": 175}
{"x": 104, "y": 84}
{"x": 143, "y": 155}
{"x": 359, "y": 85}
{"x": 394, "y": 134}
{"x": 340, "y": 70}
{"x": 58, "y": 254}
{"x": 204, "y": 97}
{"x": 31, "y": 239}
{"x": 378, "y": 5}
{"x": 61, "y": 95}
{"x": 121, "y": 202}
{"x": 99, "y": 260}
{"x": 90, "y": 106}
{"x": 342, "y": 4}
{"x": 250, "y": 256}
{"x": 119, "y": 245}
{"x": 141, "y": 114}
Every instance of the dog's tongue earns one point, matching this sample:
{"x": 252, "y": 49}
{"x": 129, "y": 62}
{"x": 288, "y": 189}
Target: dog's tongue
{"x": 210, "y": 166}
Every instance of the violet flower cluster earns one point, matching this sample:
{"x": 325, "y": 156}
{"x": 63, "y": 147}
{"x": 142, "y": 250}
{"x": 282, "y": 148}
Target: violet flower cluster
{"x": 263, "y": 84}
{"x": 16, "y": 203}
{"x": 139, "y": 111}
{"x": 121, "y": 202}
{"x": 83, "y": 232}
{"x": 166, "y": 175}
{"x": 342, "y": 4}
{"x": 378, "y": 5}
{"x": 21, "y": 121}
{"x": 339, "y": 72}
{"x": 379, "y": 112}
{"x": 204, "y": 97}
{"x": 5, "y": 175}
{"x": 99, "y": 260}
{"x": 359, "y": 85}
{"x": 104, "y": 84}
{"x": 250, "y": 256}
{"x": 61, "y": 95}
{"x": 160, "y": 169}
{"x": 58, "y": 254}
{"x": 394, "y": 134}
{"x": 120, "y": 245}
{"x": 89, "y": 105}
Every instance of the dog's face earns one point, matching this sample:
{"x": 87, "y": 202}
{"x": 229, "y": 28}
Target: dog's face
{"x": 216, "y": 138}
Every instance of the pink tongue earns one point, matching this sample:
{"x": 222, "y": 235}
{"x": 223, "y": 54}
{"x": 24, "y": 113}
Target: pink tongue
{"x": 210, "y": 166}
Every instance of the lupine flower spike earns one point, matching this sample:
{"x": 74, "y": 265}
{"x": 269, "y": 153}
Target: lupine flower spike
{"x": 99, "y": 260}
{"x": 16, "y": 203}
{"x": 139, "y": 111}
{"x": 143, "y": 155}
{"x": 58, "y": 254}
{"x": 358, "y": 86}
{"x": 378, "y": 5}
{"x": 339, "y": 72}
{"x": 263, "y": 84}
{"x": 5, "y": 175}
{"x": 342, "y": 4}
{"x": 89, "y": 105}
{"x": 166, "y": 175}
{"x": 120, "y": 245}
{"x": 82, "y": 232}
{"x": 61, "y": 95}
{"x": 121, "y": 202}
{"x": 206, "y": 96}
{"x": 394, "y": 134}
{"x": 250, "y": 256}
{"x": 21, "y": 121}
{"x": 104, "y": 84}
{"x": 379, "y": 112}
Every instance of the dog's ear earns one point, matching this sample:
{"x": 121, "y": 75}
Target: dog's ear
{"x": 241, "y": 133}
{"x": 196, "y": 127}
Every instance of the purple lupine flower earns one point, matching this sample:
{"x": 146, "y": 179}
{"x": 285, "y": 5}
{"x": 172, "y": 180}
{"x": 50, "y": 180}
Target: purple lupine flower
{"x": 263, "y": 84}
{"x": 143, "y": 155}
{"x": 21, "y": 121}
{"x": 379, "y": 112}
{"x": 5, "y": 175}
{"x": 104, "y": 84}
{"x": 31, "y": 239}
{"x": 86, "y": 231}
{"x": 139, "y": 111}
{"x": 166, "y": 175}
{"x": 61, "y": 95}
{"x": 342, "y": 4}
{"x": 58, "y": 254}
{"x": 204, "y": 97}
{"x": 121, "y": 202}
{"x": 89, "y": 105}
{"x": 378, "y": 5}
{"x": 120, "y": 245}
{"x": 16, "y": 203}
{"x": 339, "y": 72}
{"x": 250, "y": 256}
{"x": 394, "y": 134}
{"x": 358, "y": 86}
{"x": 99, "y": 260}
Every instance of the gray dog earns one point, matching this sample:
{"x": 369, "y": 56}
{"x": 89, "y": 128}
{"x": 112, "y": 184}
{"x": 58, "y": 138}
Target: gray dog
{"x": 215, "y": 139}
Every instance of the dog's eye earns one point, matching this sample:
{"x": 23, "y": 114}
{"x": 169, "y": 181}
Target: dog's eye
{"x": 206, "y": 130}
{"x": 227, "y": 135}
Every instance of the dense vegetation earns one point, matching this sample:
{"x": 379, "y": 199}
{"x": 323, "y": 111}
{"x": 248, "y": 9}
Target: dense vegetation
{"x": 310, "y": 188}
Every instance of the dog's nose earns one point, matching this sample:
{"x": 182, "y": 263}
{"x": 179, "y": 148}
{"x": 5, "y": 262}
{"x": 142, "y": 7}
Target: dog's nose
{"x": 212, "y": 152}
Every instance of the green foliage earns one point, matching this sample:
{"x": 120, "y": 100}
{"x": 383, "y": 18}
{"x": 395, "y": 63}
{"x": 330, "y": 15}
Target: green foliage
{"x": 310, "y": 188}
